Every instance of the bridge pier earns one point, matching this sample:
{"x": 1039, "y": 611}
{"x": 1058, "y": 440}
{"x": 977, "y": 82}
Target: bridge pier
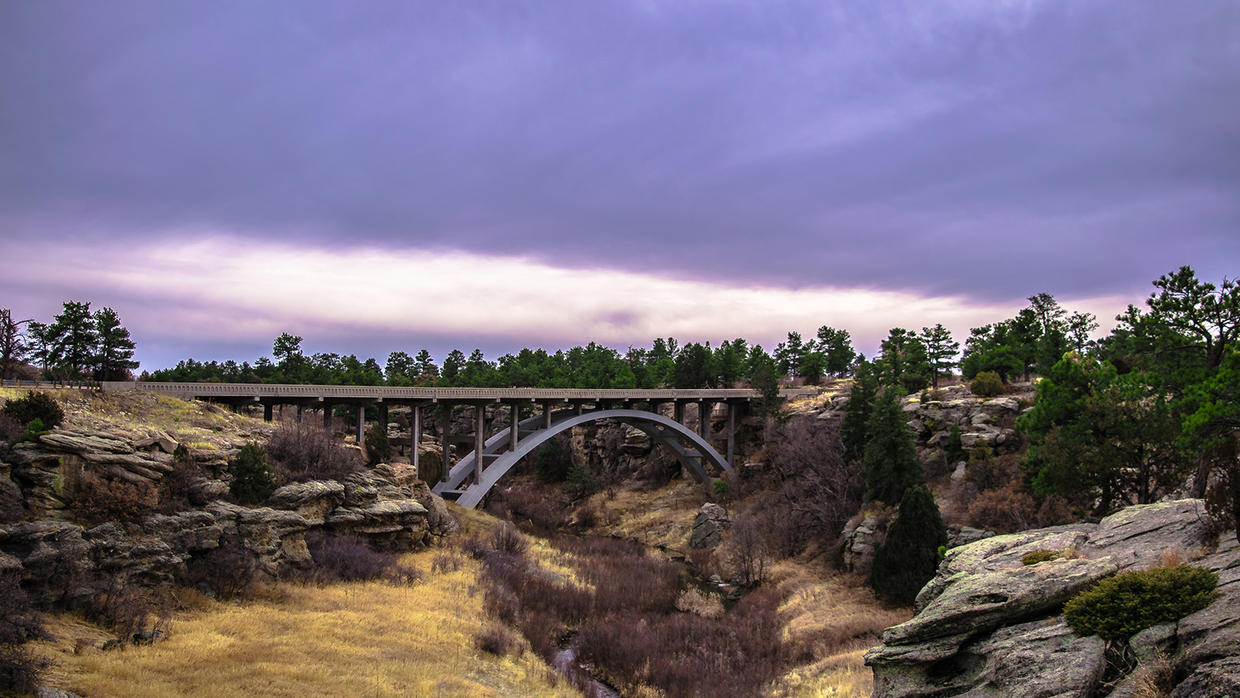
{"x": 415, "y": 438}
{"x": 514, "y": 420}
{"x": 361, "y": 423}
{"x": 267, "y": 412}
{"x": 327, "y": 416}
{"x": 704, "y": 407}
{"x": 731, "y": 431}
{"x": 480, "y": 426}
{"x": 445, "y": 423}
{"x": 678, "y": 411}
{"x": 546, "y": 415}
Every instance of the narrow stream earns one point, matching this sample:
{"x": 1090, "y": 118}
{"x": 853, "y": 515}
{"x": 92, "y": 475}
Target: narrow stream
{"x": 565, "y": 662}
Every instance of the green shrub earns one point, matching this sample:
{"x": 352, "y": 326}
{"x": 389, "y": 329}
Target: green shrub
{"x": 378, "y": 447}
{"x": 34, "y": 406}
{"x": 253, "y": 480}
{"x": 580, "y": 482}
{"x": 955, "y": 447}
{"x": 909, "y": 556}
{"x": 1120, "y": 606}
{"x": 552, "y": 461}
{"x": 987, "y": 384}
{"x": 33, "y": 430}
{"x": 1037, "y": 556}
{"x": 722, "y": 487}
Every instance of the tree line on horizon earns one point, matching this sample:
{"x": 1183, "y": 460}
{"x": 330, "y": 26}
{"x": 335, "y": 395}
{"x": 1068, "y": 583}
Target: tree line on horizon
{"x": 1122, "y": 419}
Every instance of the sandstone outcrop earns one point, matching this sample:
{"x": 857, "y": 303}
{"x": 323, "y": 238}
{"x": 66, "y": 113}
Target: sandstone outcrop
{"x": 59, "y": 560}
{"x": 987, "y": 624}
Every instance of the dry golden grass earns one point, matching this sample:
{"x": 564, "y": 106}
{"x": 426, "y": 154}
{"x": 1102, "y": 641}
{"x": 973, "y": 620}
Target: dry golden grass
{"x": 136, "y": 414}
{"x": 371, "y": 639}
{"x": 832, "y": 621}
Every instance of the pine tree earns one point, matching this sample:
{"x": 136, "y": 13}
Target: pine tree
{"x": 42, "y": 345}
{"x": 114, "y": 357}
{"x": 909, "y": 556}
{"x": 73, "y": 333}
{"x": 891, "y": 464}
{"x": 860, "y": 405}
{"x": 940, "y": 351}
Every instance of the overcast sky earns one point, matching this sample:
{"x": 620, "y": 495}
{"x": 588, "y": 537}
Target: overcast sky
{"x": 395, "y": 175}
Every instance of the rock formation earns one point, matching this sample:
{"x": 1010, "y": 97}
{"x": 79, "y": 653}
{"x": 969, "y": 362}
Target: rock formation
{"x": 58, "y": 559}
{"x": 987, "y": 624}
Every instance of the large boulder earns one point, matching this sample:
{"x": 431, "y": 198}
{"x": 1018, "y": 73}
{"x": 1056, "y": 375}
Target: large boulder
{"x": 314, "y": 500}
{"x": 1012, "y": 661}
{"x": 987, "y": 624}
{"x": 708, "y": 526}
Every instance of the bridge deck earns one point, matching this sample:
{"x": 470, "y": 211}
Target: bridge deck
{"x": 278, "y": 391}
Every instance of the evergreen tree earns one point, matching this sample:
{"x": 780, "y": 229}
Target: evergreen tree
{"x": 41, "y": 345}
{"x": 452, "y": 365}
{"x": 836, "y": 345}
{"x": 290, "y": 362}
{"x": 73, "y": 333}
{"x": 891, "y": 464}
{"x": 860, "y": 405}
{"x": 552, "y": 461}
{"x": 764, "y": 378}
{"x": 253, "y": 481}
{"x": 909, "y": 556}
{"x": 114, "y": 357}
{"x": 903, "y": 363}
{"x": 940, "y": 351}
{"x": 693, "y": 367}
{"x": 426, "y": 368}
{"x": 788, "y": 354}
{"x": 813, "y": 363}
{"x": 400, "y": 369}
{"x": 730, "y": 361}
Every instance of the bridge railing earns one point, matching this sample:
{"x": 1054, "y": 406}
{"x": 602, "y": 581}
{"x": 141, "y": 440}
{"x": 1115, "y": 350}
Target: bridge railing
{"x": 366, "y": 392}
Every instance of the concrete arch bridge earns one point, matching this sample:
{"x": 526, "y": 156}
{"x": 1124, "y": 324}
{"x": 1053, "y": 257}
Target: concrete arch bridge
{"x": 493, "y": 455}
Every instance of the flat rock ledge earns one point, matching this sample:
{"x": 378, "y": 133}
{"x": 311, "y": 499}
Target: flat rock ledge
{"x": 989, "y": 625}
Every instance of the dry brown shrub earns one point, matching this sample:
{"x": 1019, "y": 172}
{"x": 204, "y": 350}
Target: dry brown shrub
{"x": 303, "y": 451}
{"x": 101, "y": 499}
{"x": 1004, "y": 510}
{"x": 498, "y": 640}
{"x": 699, "y": 603}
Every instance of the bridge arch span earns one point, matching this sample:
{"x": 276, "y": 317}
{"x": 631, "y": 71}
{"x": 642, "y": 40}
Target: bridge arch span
{"x": 692, "y": 450}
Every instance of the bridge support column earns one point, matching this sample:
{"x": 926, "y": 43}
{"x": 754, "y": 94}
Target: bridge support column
{"x": 480, "y": 437}
{"x": 579, "y": 408}
{"x": 383, "y": 415}
{"x": 731, "y": 433}
{"x": 546, "y": 415}
{"x": 678, "y": 411}
{"x": 327, "y": 416}
{"x": 514, "y": 421}
{"x": 445, "y": 421}
{"x": 300, "y": 408}
{"x": 704, "y": 407}
{"x": 361, "y": 424}
{"x": 267, "y": 412}
{"x": 415, "y": 438}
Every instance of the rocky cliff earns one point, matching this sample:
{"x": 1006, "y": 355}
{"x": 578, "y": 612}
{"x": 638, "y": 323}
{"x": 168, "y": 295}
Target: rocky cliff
{"x": 989, "y": 624}
{"x": 58, "y": 558}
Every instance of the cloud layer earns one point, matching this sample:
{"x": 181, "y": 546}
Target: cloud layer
{"x": 371, "y": 300}
{"x": 788, "y": 156}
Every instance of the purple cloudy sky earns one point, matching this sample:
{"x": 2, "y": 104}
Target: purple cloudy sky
{"x": 392, "y": 175}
